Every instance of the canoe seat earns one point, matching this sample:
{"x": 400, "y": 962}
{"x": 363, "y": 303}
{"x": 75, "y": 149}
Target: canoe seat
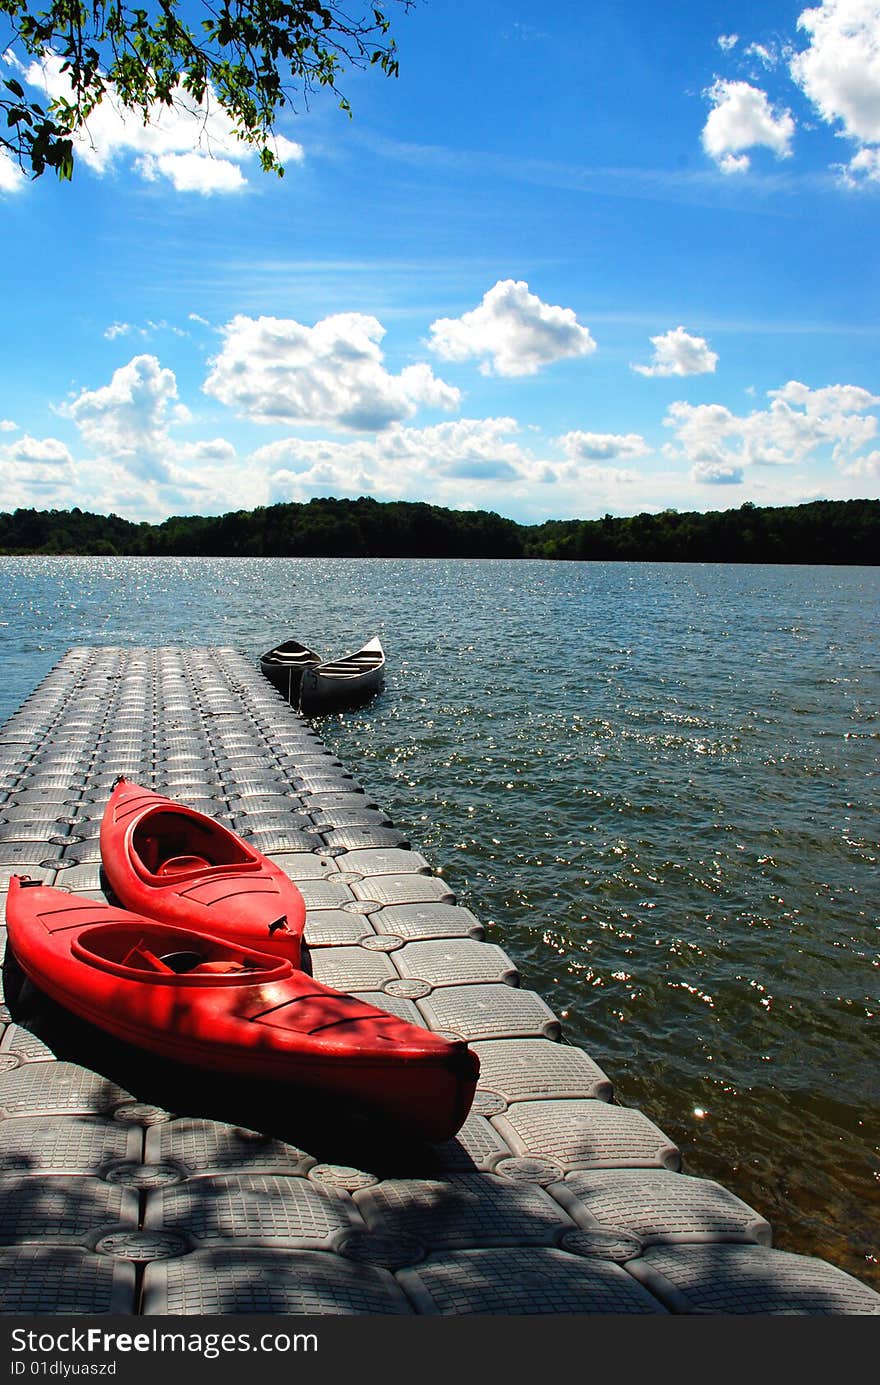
{"x": 176, "y": 864}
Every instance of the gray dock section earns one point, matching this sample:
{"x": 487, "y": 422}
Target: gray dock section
{"x": 119, "y": 1194}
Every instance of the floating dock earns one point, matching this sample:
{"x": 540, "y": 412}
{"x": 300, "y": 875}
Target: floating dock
{"x": 124, "y": 1190}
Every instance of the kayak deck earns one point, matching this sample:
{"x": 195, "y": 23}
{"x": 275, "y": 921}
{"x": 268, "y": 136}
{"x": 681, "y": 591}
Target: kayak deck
{"x": 130, "y": 1195}
{"x": 166, "y": 860}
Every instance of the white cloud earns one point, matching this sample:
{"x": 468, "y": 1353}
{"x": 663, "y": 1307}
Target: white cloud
{"x": 594, "y": 447}
{"x": 36, "y": 451}
{"x": 574, "y": 481}
{"x": 402, "y": 461}
{"x": 11, "y": 177}
{"x": 33, "y": 471}
{"x": 127, "y": 426}
{"x": 742, "y": 118}
{"x": 276, "y": 370}
{"x": 717, "y": 474}
{"x": 838, "y": 72}
{"x": 470, "y": 463}
{"x": 863, "y": 167}
{"x": 727, "y": 41}
{"x": 798, "y": 423}
{"x": 678, "y": 353}
{"x": 287, "y": 151}
{"x": 863, "y": 468}
{"x": 42, "y": 472}
{"x": 214, "y": 451}
{"x": 128, "y": 418}
{"x": 840, "y": 69}
{"x": 7, "y": 425}
{"x": 512, "y": 332}
{"x": 192, "y": 172}
{"x": 191, "y": 145}
{"x": 767, "y": 56}
{"x": 130, "y": 329}
{"x": 830, "y": 401}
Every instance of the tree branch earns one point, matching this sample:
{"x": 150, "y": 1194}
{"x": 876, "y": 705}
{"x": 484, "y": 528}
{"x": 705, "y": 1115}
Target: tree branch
{"x": 255, "y": 56}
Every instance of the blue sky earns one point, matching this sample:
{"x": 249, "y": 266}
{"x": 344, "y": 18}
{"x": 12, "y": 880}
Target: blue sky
{"x": 601, "y": 258}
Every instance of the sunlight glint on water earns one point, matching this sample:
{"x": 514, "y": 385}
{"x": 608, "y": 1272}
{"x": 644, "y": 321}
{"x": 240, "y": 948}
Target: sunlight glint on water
{"x": 652, "y": 782}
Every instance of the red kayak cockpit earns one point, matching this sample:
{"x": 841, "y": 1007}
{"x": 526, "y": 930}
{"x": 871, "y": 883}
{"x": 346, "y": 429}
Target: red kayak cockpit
{"x": 140, "y": 952}
{"x": 168, "y": 845}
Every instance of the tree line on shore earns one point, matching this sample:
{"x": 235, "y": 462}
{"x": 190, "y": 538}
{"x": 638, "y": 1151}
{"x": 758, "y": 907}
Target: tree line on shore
{"x": 822, "y": 531}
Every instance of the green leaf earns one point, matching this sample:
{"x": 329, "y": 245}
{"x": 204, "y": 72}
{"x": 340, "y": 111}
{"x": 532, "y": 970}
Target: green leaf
{"x": 253, "y": 58}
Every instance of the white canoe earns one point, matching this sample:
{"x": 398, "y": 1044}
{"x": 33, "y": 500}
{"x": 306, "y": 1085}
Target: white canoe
{"x": 344, "y": 681}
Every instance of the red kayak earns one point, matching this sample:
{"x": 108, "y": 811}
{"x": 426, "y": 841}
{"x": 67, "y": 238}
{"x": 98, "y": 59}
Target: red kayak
{"x": 174, "y": 864}
{"x": 212, "y": 1003}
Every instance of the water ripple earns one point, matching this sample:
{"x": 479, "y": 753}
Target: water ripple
{"x": 655, "y": 785}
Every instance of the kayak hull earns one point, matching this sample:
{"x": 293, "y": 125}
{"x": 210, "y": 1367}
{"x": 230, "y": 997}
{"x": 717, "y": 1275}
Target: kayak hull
{"x": 214, "y": 1004}
{"x": 173, "y": 863}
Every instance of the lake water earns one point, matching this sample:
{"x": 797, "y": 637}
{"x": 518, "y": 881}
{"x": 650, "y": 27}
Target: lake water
{"x": 654, "y": 783}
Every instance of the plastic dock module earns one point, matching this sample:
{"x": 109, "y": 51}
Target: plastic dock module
{"x": 129, "y": 1188}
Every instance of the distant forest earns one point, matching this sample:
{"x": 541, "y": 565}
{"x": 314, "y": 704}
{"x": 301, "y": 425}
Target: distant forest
{"x": 824, "y": 531}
